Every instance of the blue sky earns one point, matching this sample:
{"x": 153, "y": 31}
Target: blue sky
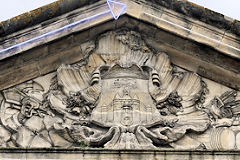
{"x": 11, "y": 8}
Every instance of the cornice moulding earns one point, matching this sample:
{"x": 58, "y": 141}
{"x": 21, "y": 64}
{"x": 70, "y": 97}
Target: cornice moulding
{"x": 161, "y": 17}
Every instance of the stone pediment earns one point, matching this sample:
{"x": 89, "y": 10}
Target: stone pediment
{"x": 153, "y": 79}
{"x": 121, "y": 95}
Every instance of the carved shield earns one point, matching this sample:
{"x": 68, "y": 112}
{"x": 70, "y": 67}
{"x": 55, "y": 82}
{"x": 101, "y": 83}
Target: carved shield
{"x": 125, "y": 99}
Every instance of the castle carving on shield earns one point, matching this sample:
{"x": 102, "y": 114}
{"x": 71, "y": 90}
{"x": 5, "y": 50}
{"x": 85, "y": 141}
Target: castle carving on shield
{"x": 162, "y": 78}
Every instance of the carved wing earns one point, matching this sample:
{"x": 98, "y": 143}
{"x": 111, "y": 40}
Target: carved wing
{"x": 79, "y": 91}
{"x": 179, "y": 97}
{"x": 72, "y": 79}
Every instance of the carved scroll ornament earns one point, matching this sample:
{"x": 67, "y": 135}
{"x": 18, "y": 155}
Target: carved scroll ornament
{"x": 123, "y": 95}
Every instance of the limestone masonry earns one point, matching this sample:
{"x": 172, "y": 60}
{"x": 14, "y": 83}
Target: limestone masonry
{"x": 161, "y": 82}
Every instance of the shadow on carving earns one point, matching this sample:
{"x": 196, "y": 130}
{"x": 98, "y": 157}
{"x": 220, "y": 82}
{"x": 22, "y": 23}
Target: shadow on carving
{"x": 123, "y": 95}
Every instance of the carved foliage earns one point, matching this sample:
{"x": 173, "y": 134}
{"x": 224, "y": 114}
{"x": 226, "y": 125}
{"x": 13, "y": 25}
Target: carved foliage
{"x": 121, "y": 95}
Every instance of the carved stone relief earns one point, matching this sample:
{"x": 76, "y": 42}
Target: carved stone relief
{"x": 122, "y": 95}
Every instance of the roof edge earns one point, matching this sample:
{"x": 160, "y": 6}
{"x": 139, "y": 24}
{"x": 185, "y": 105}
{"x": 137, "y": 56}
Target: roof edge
{"x": 201, "y": 13}
{"x": 41, "y": 14}
{"x": 60, "y": 7}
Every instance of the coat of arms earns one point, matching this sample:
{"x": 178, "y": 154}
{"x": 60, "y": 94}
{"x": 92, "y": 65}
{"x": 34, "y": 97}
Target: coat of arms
{"x": 121, "y": 95}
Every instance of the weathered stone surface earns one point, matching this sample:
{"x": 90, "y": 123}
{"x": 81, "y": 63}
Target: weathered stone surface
{"x": 164, "y": 18}
{"x": 55, "y": 9}
{"x": 85, "y": 154}
{"x": 45, "y": 13}
{"x": 200, "y": 13}
{"x": 121, "y": 94}
{"x": 184, "y": 53}
{"x": 139, "y": 87}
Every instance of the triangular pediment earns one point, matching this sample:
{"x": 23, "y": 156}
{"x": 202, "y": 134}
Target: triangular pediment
{"x": 122, "y": 87}
{"x": 153, "y": 79}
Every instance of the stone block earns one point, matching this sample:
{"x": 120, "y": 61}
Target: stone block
{"x": 12, "y": 77}
{"x": 61, "y": 44}
{"x": 53, "y": 61}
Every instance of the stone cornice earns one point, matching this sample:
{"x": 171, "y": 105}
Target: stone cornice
{"x": 86, "y": 153}
{"x": 41, "y": 14}
{"x": 159, "y": 16}
{"x": 60, "y": 7}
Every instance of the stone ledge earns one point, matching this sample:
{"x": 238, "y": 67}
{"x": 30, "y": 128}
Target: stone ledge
{"x": 105, "y": 150}
{"x": 169, "y": 20}
{"x": 80, "y": 153}
{"x": 24, "y": 35}
{"x": 186, "y": 27}
{"x": 41, "y": 14}
{"x": 200, "y": 13}
{"x": 60, "y": 7}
